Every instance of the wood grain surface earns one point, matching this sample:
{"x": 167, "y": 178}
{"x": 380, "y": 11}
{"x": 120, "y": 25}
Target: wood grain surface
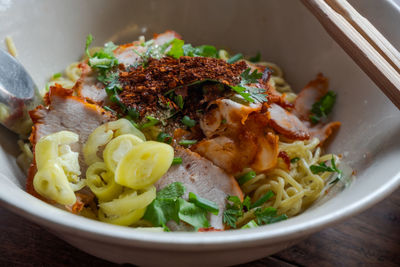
{"x": 368, "y": 239}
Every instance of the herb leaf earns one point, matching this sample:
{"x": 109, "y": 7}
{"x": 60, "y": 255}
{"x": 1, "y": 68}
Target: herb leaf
{"x": 231, "y": 215}
{"x": 249, "y": 93}
{"x": 243, "y": 92}
{"x": 323, "y": 107}
{"x": 104, "y": 59}
{"x": 176, "y": 50}
{"x": 247, "y": 203}
{"x": 164, "y": 208}
{"x": 200, "y": 51}
{"x": 235, "y": 210}
{"x": 250, "y": 224}
{"x": 250, "y": 77}
{"x": 169, "y": 205}
{"x": 164, "y": 138}
{"x": 174, "y": 190}
{"x": 191, "y": 214}
{"x": 179, "y": 48}
{"x": 256, "y": 58}
{"x": 268, "y": 215}
{"x": 322, "y": 167}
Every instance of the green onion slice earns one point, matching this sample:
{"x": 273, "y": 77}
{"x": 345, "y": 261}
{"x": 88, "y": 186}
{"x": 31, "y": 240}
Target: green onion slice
{"x": 177, "y": 160}
{"x": 206, "y": 204}
{"x": 246, "y": 177}
{"x": 187, "y": 142}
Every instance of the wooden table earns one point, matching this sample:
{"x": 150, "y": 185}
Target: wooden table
{"x": 369, "y": 239}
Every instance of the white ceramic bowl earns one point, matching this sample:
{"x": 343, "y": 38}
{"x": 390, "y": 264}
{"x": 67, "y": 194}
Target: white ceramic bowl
{"x": 50, "y": 34}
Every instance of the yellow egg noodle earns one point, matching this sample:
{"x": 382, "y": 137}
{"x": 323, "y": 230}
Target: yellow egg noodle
{"x": 11, "y": 46}
{"x": 295, "y": 189}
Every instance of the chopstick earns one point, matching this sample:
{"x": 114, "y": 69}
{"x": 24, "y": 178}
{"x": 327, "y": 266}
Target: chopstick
{"x": 373, "y": 53}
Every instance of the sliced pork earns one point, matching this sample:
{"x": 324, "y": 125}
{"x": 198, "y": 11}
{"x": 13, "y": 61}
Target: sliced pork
{"x": 203, "y": 178}
{"x": 287, "y": 123}
{"x": 65, "y": 112}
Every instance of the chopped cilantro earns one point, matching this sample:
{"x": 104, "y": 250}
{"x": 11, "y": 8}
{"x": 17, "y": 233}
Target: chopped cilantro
{"x": 188, "y": 121}
{"x": 223, "y": 121}
{"x": 169, "y": 205}
{"x": 250, "y": 94}
{"x": 200, "y": 51}
{"x": 235, "y": 58}
{"x": 243, "y": 92}
{"x": 231, "y": 215}
{"x": 179, "y": 48}
{"x": 323, "y": 107}
{"x": 250, "y": 77}
{"x": 165, "y": 207}
{"x": 164, "y": 138}
{"x": 250, "y": 224}
{"x": 104, "y": 59}
{"x": 247, "y": 203}
{"x": 176, "y": 50}
{"x": 173, "y": 190}
{"x": 268, "y": 215}
{"x": 256, "y": 58}
{"x": 235, "y": 209}
{"x": 322, "y": 167}
{"x": 206, "y": 204}
{"x": 192, "y": 214}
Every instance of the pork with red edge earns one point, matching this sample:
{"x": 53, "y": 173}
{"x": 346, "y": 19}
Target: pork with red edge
{"x": 203, "y": 178}
{"x": 165, "y": 37}
{"x": 310, "y": 94}
{"x": 324, "y": 131}
{"x": 243, "y": 140}
{"x": 88, "y": 87}
{"x": 65, "y": 112}
{"x": 287, "y": 123}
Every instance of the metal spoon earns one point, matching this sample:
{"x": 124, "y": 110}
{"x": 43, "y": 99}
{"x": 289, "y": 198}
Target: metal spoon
{"x": 18, "y": 95}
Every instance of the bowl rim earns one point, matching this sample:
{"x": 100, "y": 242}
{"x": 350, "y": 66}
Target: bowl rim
{"x": 65, "y": 222}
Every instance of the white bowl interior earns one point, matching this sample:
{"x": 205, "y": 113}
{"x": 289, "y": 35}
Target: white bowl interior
{"x": 51, "y": 34}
